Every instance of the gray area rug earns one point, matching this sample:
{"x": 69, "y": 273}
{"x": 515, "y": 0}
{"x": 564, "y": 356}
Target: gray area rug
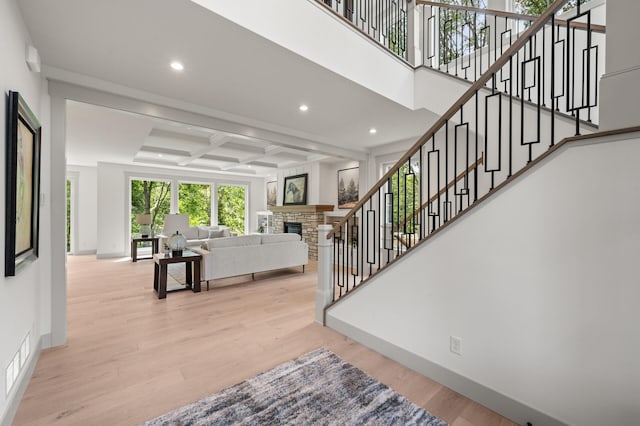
{"x": 318, "y": 388}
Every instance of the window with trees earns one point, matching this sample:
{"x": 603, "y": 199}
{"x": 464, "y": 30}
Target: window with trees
{"x": 231, "y": 207}
{"x": 461, "y": 32}
{"x": 194, "y": 199}
{"x": 150, "y": 197}
{"x": 536, "y": 7}
{"x": 403, "y": 203}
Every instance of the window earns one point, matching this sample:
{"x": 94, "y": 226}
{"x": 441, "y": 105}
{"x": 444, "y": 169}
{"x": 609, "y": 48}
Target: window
{"x": 232, "y": 207}
{"x": 194, "y": 199}
{"x": 151, "y": 197}
{"x": 403, "y": 199}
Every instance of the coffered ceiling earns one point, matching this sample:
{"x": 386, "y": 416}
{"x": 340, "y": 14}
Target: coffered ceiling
{"x": 101, "y": 134}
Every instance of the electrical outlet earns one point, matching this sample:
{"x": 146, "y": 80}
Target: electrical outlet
{"x": 455, "y": 345}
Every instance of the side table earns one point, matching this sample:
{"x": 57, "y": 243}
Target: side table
{"x": 161, "y": 260}
{"x": 134, "y": 247}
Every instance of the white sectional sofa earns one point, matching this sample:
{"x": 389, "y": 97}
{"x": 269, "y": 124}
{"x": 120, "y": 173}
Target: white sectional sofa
{"x": 195, "y": 235}
{"x": 247, "y": 254}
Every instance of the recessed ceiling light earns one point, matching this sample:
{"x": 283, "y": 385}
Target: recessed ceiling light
{"x": 303, "y": 108}
{"x": 177, "y": 66}
{"x": 373, "y": 131}
{"x": 248, "y": 167}
{"x": 159, "y": 155}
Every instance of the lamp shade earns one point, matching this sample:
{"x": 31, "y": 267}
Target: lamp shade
{"x": 143, "y": 219}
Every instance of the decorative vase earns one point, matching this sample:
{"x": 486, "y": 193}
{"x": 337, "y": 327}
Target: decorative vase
{"x": 145, "y": 230}
{"x": 177, "y": 242}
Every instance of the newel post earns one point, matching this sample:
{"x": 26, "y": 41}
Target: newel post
{"x": 324, "y": 292}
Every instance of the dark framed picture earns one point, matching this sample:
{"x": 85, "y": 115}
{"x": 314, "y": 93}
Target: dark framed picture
{"x": 295, "y": 190}
{"x": 22, "y": 185}
{"x": 272, "y": 193}
{"x": 348, "y": 187}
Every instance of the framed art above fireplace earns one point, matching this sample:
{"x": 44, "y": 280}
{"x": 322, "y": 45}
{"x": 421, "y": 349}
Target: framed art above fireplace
{"x": 295, "y": 190}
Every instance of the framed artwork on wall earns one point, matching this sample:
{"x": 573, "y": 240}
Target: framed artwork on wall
{"x": 348, "y": 187}
{"x": 22, "y": 205}
{"x": 272, "y": 192}
{"x": 295, "y": 190}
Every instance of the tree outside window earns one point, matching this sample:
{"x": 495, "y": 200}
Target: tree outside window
{"x": 150, "y": 197}
{"x": 194, "y": 199}
{"x": 231, "y": 207}
{"x": 537, "y": 7}
{"x": 406, "y": 199}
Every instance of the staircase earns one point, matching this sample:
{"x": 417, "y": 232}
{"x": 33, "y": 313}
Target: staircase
{"x": 541, "y": 89}
{"x": 529, "y": 304}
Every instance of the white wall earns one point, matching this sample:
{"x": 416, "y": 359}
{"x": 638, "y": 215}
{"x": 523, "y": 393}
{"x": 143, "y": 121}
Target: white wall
{"x": 313, "y": 181}
{"x": 329, "y": 181}
{"x": 540, "y": 283}
{"x": 23, "y": 298}
{"x": 316, "y": 34}
{"x": 113, "y": 202}
{"x": 619, "y": 86}
{"x": 85, "y": 226}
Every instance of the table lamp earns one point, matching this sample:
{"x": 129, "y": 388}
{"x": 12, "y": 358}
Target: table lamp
{"x": 144, "y": 220}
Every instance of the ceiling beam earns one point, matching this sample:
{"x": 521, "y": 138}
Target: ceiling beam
{"x": 215, "y": 141}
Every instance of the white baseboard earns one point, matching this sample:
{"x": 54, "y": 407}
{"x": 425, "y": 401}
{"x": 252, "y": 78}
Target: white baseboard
{"x": 502, "y": 404}
{"x": 83, "y": 252}
{"x": 111, "y": 255}
{"x": 14, "y": 398}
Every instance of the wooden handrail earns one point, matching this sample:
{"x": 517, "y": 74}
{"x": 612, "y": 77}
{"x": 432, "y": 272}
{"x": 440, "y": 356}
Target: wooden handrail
{"x": 471, "y": 168}
{"x": 518, "y": 44}
{"x": 512, "y": 15}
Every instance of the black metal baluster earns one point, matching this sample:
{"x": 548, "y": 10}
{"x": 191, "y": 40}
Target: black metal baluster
{"x": 446, "y": 164}
{"x": 421, "y": 210}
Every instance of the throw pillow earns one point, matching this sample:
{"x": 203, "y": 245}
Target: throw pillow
{"x": 217, "y": 234}
{"x": 191, "y": 233}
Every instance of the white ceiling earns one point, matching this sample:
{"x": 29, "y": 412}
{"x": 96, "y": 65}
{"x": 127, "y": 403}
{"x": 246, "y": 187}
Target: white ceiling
{"x": 227, "y": 68}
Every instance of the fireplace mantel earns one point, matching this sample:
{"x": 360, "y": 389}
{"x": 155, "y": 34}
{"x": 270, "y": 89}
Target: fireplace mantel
{"x": 308, "y": 208}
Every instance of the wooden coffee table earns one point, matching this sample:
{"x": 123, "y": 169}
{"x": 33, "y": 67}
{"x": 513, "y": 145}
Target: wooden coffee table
{"x": 161, "y": 260}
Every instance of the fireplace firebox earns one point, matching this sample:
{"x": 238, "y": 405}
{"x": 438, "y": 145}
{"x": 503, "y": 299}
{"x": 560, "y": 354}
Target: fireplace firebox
{"x": 293, "y": 228}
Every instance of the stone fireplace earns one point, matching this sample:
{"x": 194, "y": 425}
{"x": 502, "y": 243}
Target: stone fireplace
{"x": 309, "y": 217}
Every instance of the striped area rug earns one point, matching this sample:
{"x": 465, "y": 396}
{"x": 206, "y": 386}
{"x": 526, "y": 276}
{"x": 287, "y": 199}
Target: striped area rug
{"x": 318, "y": 388}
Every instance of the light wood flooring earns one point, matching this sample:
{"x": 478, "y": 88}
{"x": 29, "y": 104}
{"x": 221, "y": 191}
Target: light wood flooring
{"x": 131, "y": 357}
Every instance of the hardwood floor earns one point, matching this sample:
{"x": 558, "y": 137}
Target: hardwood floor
{"x": 131, "y": 357}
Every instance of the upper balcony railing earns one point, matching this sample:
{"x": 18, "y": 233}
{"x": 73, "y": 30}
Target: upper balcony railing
{"x": 385, "y": 21}
{"x": 466, "y": 41}
{"x": 507, "y": 119}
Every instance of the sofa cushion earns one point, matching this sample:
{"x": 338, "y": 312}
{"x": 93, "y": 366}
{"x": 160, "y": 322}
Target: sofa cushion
{"x": 243, "y": 240}
{"x": 217, "y": 234}
{"x": 279, "y": 238}
{"x": 206, "y": 232}
{"x": 191, "y": 233}
{"x": 203, "y": 231}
